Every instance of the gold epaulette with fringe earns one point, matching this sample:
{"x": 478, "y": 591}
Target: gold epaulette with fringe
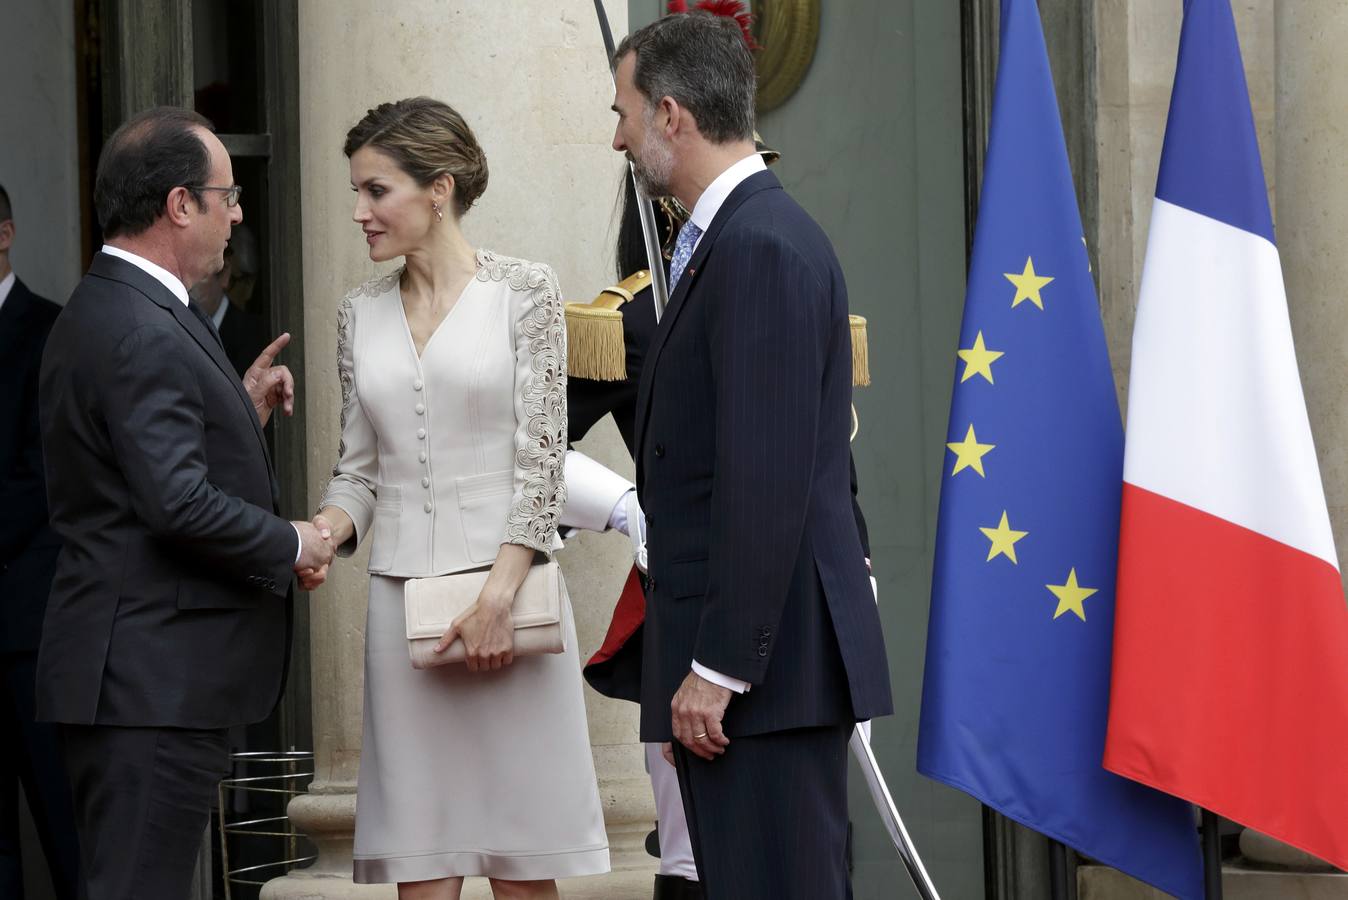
{"x": 861, "y": 360}
{"x": 594, "y": 331}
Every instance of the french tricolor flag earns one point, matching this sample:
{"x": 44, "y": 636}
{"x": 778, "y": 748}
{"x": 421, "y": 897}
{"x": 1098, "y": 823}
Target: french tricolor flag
{"x": 1230, "y": 670}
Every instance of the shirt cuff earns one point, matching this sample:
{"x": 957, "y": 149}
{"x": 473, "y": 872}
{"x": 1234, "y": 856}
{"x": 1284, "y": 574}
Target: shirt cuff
{"x": 617, "y": 519}
{"x": 725, "y": 681}
{"x": 299, "y": 541}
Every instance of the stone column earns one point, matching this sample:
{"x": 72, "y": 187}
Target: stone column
{"x": 1312, "y": 223}
{"x": 530, "y": 78}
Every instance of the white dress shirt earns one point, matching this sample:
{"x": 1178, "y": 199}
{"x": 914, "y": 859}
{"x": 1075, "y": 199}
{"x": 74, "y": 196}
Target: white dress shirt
{"x": 179, "y": 290}
{"x": 709, "y": 204}
{"x": 158, "y": 273}
{"x": 706, "y": 208}
{"x": 6, "y": 285}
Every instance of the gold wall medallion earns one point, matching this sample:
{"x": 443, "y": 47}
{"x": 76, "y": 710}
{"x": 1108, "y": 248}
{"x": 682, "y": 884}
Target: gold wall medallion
{"x": 788, "y": 31}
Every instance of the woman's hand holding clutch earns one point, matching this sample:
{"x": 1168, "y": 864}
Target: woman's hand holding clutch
{"x": 487, "y": 632}
{"x": 486, "y": 628}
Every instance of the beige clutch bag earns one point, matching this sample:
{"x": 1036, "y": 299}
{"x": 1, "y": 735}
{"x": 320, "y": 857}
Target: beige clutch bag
{"x": 433, "y": 603}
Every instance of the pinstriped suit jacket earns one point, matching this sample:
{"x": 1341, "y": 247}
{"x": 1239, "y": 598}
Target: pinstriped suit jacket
{"x": 743, "y": 467}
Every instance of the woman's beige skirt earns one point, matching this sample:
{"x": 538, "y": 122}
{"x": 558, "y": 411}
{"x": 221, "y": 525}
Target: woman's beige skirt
{"x": 472, "y": 774}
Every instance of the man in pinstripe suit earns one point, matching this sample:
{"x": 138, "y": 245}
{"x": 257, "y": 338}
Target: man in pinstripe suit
{"x": 762, "y": 644}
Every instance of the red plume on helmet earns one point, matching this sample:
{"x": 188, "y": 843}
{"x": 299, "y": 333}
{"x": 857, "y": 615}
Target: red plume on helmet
{"x": 732, "y": 8}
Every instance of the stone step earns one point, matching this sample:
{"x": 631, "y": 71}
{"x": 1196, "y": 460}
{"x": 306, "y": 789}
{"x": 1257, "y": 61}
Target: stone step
{"x": 1238, "y": 883}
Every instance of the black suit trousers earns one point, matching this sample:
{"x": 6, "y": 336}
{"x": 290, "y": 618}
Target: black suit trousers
{"x": 142, "y": 802}
{"x": 30, "y": 754}
{"x": 768, "y": 818}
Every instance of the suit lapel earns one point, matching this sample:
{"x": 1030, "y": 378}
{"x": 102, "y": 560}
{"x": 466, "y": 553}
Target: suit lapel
{"x": 759, "y": 181}
{"x": 116, "y": 269}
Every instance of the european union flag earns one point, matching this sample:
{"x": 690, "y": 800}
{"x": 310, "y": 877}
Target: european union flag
{"x": 1016, "y": 694}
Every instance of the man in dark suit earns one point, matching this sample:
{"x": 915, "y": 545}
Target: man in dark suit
{"x": 762, "y": 644}
{"x": 169, "y": 618}
{"x": 30, "y": 751}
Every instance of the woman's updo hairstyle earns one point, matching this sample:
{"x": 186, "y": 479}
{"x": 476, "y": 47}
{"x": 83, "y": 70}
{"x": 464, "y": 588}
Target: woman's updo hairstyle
{"x": 427, "y": 139}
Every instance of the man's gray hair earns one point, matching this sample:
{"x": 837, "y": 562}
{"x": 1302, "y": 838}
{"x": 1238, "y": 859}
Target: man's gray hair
{"x": 702, "y": 62}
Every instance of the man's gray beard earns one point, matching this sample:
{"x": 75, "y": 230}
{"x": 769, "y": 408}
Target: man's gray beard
{"x": 654, "y": 171}
{"x": 646, "y": 180}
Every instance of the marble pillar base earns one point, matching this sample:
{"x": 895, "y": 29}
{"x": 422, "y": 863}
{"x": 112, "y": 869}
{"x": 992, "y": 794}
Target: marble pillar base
{"x": 326, "y": 815}
{"x": 1238, "y": 883}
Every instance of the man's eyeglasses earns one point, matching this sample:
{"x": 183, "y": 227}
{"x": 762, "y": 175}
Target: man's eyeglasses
{"x": 232, "y": 193}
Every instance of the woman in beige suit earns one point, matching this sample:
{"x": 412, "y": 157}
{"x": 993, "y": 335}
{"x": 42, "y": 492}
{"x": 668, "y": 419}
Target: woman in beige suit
{"x": 453, "y": 435}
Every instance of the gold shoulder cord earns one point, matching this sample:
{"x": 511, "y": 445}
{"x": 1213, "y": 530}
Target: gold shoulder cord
{"x": 594, "y": 331}
{"x": 861, "y": 364}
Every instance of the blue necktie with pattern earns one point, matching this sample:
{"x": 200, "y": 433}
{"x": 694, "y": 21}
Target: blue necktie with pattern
{"x": 683, "y": 251}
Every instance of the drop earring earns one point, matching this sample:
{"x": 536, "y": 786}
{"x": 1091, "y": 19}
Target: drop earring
{"x": 435, "y": 208}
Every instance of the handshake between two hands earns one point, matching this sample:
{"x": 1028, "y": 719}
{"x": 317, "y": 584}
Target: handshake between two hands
{"x": 316, "y": 551}
{"x": 270, "y": 386}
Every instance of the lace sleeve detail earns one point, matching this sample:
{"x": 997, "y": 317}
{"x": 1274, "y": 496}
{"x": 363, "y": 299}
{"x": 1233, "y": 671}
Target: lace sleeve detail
{"x": 345, "y": 373}
{"x": 540, "y": 401}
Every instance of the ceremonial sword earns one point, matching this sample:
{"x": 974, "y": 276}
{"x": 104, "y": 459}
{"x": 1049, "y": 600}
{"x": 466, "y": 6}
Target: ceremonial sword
{"x": 861, "y": 746}
{"x": 889, "y": 815}
{"x": 655, "y": 260}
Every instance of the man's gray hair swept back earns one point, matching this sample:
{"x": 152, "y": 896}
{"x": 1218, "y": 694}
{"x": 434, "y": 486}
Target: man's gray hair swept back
{"x": 702, "y": 62}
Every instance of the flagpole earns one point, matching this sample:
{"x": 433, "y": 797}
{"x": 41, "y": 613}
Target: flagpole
{"x": 1059, "y": 871}
{"x": 1212, "y": 856}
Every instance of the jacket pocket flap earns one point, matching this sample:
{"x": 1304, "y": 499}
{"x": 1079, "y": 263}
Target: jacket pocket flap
{"x": 388, "y": 498}
{"x": 488, "y": 484}
{"x": 433, "y": 603}
{"x": 686, "y": 579}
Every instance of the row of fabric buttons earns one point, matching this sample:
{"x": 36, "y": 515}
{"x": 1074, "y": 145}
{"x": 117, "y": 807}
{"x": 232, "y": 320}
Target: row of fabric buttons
{"x": 421, "y": 435}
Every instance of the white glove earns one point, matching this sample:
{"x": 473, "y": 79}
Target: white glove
{"x": 635, "y": 520}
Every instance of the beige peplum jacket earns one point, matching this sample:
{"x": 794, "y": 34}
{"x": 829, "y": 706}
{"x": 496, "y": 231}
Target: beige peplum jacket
{"x": 446, "y": 456}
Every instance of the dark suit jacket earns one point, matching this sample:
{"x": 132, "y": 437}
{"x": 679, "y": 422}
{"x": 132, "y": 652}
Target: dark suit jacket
{"x": 618, "y": 675}
{"x": 743, "y": 466}
{"x": 169, "y": 606}
{"x": 28, "y": 546}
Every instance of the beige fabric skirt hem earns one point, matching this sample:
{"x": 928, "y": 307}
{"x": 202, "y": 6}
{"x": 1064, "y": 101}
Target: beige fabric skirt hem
{"x": 484, "y": 863}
